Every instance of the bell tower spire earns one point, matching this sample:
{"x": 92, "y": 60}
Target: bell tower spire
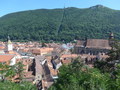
{"x": 9, "y": 45}
{"x": 111, "y": 36}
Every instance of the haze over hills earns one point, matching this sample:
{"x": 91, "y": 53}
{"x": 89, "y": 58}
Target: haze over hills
{"x": 61, "y": 24}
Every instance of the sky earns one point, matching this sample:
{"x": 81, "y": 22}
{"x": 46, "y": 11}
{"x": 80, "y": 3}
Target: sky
{"x": 11, "y": 6}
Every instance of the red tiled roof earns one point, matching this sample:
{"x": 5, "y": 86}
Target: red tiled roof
{"x": 6, "y": 58}
{"x": 2, "y": 47}
{"x": 98, "y": 43}
{"x": 69, "y": 56}
{"x": 41, "y": 50}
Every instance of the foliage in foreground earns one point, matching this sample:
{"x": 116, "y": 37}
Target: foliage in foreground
{"x": 7, "y": 85}
{"x": 8, "y": 72}
{"x": 77, "y": 76}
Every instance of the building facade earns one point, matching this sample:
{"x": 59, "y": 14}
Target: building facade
{"x": 92, "y": 46}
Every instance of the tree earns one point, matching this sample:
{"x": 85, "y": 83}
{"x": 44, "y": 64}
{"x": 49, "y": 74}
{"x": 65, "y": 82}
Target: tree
{"x": 8, "y": 85}
{"x": 114, "y": 53}
{"x": 108, "y": 65}
{"x": 78, "y": 76}
{"x": 118, "y": 77}
{"x": 19, "y": 68}
{"x": 111, "y": 65}
{"x": 6, "y": 71}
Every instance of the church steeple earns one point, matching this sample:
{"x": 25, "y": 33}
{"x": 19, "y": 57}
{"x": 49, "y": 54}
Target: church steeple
{"x": 9, "y": 45}
{"x": 111, "y": 36}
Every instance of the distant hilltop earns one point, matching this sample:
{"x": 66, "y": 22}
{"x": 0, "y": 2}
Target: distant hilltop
{"x": 97, "y": 6}
{"x": 61, "y": 24}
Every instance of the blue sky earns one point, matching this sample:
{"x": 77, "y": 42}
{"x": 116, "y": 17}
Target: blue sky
{"x": 10, "y": 6}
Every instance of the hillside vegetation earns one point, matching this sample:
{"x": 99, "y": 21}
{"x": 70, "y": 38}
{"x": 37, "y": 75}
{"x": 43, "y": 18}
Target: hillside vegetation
{"x": 61, "y": 24}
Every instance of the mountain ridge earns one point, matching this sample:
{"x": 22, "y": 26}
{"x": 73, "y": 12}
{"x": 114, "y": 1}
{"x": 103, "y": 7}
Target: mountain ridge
{"x": 95, "y": 6}
{"x": 43, "y": 24}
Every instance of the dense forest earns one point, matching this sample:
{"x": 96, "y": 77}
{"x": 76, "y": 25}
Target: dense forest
{"x": 64, "y": 24}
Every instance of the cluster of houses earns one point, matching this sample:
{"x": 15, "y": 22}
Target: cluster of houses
{"x": 41, "y": 64}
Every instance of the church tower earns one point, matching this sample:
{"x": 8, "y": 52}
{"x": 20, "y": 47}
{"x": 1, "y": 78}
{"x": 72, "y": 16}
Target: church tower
{"x": 111, "y": 41}
{"x": 111, "y": 36}
{"x": 9, "y": 45}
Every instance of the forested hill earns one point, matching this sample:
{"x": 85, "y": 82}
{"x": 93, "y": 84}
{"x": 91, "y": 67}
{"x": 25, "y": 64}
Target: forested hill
{"x": 61, "y": 24}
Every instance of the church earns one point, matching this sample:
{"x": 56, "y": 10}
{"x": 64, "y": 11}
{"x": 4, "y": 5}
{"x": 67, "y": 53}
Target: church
{"x": 8, "y": 55}
{"x": 93, "y": 47}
